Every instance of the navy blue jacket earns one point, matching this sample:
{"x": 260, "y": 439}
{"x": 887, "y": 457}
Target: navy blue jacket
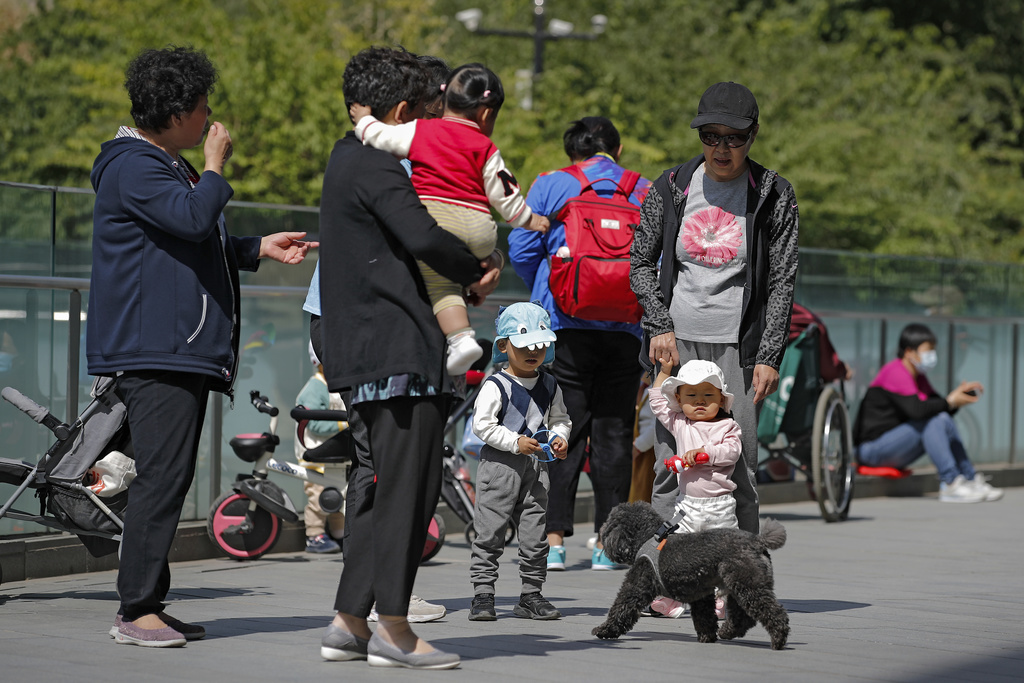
{"x": 165, "y": 289}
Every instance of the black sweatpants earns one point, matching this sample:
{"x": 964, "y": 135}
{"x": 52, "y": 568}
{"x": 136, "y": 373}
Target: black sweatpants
{"x": 165, "y": 416}
{"x": 599, "y": 375}
{"x": 392, "y": 495}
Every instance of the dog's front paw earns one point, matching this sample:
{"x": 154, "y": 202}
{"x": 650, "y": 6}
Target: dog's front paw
{"x": 605, "y": 632}
{"x": 707, "y": 637}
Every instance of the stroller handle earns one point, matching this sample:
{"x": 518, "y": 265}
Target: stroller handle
{"x": 36, "y": 412}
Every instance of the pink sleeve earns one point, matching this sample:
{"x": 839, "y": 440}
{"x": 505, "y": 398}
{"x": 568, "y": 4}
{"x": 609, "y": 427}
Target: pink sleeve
{"x": 729, "y": 447}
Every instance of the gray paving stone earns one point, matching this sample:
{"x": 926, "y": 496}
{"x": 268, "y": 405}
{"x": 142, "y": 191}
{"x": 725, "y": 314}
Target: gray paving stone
{"x": 908, "y": 590}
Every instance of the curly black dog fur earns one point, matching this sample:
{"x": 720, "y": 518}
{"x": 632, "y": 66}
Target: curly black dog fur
{"x": 691, "y": 567}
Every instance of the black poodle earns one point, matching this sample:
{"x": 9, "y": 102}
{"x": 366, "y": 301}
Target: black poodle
{"x": 691, "y": 566}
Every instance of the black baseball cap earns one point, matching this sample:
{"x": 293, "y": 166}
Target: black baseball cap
{"x": 727, "y": 104}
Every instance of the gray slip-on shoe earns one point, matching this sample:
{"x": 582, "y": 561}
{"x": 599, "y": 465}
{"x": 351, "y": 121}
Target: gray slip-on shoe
{"x": 338, "y": 645}
{"x": 382, "y": 653}
{"x": 190, "y": 631}
{"x": 130, "y": 634}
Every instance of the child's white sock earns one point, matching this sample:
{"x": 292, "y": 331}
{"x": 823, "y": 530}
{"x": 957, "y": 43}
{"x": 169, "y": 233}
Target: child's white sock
{"x": 463, "y": 351}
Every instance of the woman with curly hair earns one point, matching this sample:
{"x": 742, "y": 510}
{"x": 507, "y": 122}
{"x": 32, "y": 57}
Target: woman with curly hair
{"x": 164, "y": 310}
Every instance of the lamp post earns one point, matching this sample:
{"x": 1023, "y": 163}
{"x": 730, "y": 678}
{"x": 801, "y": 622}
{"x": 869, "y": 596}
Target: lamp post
{"x": 556, "y": 30}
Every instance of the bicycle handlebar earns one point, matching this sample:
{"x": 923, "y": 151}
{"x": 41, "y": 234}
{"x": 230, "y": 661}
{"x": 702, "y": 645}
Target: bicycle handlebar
{"x": 262, "y": 404}
{"x": 303, "y": 413}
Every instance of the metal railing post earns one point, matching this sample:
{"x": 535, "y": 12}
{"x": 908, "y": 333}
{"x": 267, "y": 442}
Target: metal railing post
{"x": 74, "y": 347}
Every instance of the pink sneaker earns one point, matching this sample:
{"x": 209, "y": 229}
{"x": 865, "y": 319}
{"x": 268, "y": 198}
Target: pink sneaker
{"x": 720, "y": 607}
{"x": 668, "y": 607}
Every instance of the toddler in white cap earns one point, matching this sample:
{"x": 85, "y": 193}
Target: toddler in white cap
{"x": 694, "y": 406}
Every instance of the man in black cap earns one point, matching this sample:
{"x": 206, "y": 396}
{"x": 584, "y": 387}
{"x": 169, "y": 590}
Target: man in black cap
{"x": 727, "y": 228}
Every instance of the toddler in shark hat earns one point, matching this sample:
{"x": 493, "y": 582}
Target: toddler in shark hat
{"x": 520, "y": 416}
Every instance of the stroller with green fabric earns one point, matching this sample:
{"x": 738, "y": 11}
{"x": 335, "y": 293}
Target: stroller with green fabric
{"x": 806, "y": 424}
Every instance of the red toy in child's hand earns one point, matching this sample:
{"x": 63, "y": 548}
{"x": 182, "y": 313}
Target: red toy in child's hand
{"x": 676, "y": 464}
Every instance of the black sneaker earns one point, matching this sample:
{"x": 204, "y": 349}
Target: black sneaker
{"x": 482, "y": 608}
{"x": 534, "y": 606}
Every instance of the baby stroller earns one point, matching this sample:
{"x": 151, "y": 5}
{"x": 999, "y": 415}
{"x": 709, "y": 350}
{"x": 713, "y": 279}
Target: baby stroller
{"x": 806, "y": 425}
{"x": 82, "y": 479}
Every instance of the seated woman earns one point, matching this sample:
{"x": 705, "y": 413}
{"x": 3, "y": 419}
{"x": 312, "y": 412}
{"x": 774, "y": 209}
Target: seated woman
{"x": 902, "y": 417}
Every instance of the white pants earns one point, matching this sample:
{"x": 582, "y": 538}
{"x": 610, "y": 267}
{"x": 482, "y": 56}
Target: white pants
{"x": 700, "y": 514}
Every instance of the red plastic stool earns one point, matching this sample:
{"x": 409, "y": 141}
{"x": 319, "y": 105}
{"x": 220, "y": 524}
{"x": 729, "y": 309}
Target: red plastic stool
{"x": 887, "y": 472}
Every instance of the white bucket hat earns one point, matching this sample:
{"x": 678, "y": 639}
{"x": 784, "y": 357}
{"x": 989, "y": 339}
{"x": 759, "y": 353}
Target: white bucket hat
{"x": 695, "y": 372}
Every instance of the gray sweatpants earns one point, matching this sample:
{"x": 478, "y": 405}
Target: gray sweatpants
{"x": 509, "y": 489}
{"x": 740, "y": 383}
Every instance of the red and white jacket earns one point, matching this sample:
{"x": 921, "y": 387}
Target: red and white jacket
{"x": 452, "y": 161}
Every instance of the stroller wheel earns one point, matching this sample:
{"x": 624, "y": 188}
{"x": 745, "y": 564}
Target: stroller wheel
{"x": 226, "y": 525}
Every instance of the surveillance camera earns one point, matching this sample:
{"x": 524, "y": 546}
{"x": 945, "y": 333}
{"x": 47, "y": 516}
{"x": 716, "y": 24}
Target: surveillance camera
{"x": 470, "y": 18}
{"x": 598, "y": 23}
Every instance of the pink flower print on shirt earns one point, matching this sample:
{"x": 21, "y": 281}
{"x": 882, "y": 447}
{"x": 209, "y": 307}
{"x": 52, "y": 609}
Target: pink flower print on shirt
{"x": 712, "y": 237}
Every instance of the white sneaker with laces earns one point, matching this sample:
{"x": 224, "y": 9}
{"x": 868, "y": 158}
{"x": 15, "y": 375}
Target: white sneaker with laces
{"x": 980, "y": 483}
{"x": 420, "y": 611}
{"x": 960, "y": 491}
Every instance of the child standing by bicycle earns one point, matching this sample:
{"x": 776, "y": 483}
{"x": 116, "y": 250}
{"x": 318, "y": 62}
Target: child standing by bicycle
{"x": 520, "y": 416}
{"x": 321, "y": 528}
{"x": 458, "y": 174}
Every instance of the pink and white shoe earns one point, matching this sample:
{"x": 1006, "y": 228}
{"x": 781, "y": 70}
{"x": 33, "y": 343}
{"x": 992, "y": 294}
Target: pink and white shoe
{"x": 668, "y": 607}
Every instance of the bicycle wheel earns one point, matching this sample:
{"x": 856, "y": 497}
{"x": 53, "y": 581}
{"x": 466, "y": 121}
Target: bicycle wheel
{"x": 832, "y": 456}
{"x": 225, "y": 526}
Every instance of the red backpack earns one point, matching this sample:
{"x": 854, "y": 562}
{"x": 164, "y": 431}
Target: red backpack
{"x": 592, "y": 280}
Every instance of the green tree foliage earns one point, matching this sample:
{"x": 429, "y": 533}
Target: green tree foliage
{"x": 899, "y": 122}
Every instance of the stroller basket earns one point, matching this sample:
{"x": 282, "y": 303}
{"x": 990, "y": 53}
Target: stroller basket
{"x": 59, "y": 477}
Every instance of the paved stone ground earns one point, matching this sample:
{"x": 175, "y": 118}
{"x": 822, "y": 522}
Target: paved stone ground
{"x": 906, "y": 590}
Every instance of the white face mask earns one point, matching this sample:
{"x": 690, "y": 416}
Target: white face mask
{"x": 928, "y": 361}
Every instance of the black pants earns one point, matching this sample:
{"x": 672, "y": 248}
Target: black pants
{"x": 599, "y": 375}
{"x": 392, "y": 495}
{"x": 165, "y": 417}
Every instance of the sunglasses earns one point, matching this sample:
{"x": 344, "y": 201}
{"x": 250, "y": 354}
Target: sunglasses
{"x": 712, "y": 140}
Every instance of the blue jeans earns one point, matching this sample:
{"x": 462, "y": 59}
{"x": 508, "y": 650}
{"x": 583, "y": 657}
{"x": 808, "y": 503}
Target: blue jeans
{"x": 902, "y": 445}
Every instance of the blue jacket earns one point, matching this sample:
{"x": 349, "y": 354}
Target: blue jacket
{"x": 165, "y": 289}
{"x": 530, "y": 252}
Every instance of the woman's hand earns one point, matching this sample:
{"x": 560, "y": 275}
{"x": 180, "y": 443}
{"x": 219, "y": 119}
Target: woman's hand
{"x": 663, "y": 346}
{"x": 286, "y": 247}
{"x": 480, "y": 290}
{"x": 966, "y": 393}
{"x": 766, "y": 381}
{"x": 218, "y": 148}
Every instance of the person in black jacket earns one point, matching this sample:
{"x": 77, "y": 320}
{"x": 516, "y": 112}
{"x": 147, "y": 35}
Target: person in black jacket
{"x": 383, "y": 349}
{"x": 902, "y": 417}
{"x": 164, "y": 310}
{"x": 724, "y": 231}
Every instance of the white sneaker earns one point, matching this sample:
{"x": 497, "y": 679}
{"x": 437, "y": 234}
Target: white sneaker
{"x": 463, "y": 351}
{"x": 420, "y": 611}
{"x": 960, "y": 491}
{"x": 980, "y": 483}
